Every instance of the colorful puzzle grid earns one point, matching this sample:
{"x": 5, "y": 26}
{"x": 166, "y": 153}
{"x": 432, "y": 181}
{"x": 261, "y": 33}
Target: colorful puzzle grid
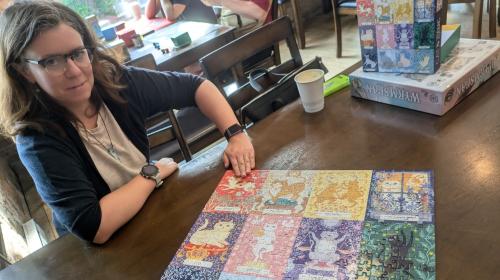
{"x": 304, "y": 224}
{"x": 401, "y": 36}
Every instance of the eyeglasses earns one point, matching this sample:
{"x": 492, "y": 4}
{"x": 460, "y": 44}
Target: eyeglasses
{"x": 57, "y": 64}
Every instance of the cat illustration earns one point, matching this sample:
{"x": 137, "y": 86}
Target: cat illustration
{"x": 364, "y": 11}
{"x": 214, "y": 237}
{"x": 367, "y": 38}
{"x": 386, "y": 61}
{"x": 403, "y": 61}
{"x": 284, "y": 193}
{"x": 384, "y": 11}
{"x": 399, "y": 249}
{"x": 415, "y": 182}
{"x": 236, "y": 187}
{"x": 404, "y": 40}
{"x": 324, "y": 249}
{"x": 403, "y": 11}
{"x": 385, "y": 39}
{"x": 264, "y": 242}
{"x": 369, "y": 63}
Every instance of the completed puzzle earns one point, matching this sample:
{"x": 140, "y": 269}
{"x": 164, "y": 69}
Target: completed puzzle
{"x": 304, "y": 224}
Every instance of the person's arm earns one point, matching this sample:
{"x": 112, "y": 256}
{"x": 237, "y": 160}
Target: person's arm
{"x": 64, "y": 183}
{"x": 172, "y": 11}
{"x": 118, "y": 207}
{"x": 152, "y": 92}
{"x": 239, "y": 151}
{"x": 152, "y": 8}
{"x": 244, "y": 8}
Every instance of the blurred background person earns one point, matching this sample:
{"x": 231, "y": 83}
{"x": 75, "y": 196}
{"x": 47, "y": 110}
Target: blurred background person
{"x": 188, "y": 10}
{"x": 245, "y": 15}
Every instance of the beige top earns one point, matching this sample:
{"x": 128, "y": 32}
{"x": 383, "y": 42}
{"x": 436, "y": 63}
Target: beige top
{"x": 115, "y": 157}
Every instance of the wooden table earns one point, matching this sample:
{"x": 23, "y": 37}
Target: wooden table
{"x": 205, "y": 37}
{"x": 461, "y": 147}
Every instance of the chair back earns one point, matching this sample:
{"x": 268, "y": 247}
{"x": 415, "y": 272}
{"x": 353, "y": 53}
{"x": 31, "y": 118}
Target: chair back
{"x": 229, "y": 57}
{"x": 163, "y": 127}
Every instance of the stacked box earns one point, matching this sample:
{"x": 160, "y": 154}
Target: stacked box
{"x": 470, "y": 64}
{"x": 400, "y": 36}
{"x": 450, "y": 35}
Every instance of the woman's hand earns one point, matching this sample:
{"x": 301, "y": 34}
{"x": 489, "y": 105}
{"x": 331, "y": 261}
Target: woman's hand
{"x": 240, "y": 154}
{"x": 166, "y": 166}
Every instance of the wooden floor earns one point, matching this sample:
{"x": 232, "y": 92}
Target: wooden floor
{"x": 321, "y": 39}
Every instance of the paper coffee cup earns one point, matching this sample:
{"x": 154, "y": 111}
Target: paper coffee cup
{"x": 310, "y": 85}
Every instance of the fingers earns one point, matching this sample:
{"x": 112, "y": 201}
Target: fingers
{"x": 167, "y": 166}
{"x": 248, "y": 163}
{"x": 166, "y": 160}
{"x": 240, "y": 154}
{"x": 252, "y": 160}
{"x": 225, "y": 159}
{"x": 242, "y": 165}
{"x": 234, "y": 164}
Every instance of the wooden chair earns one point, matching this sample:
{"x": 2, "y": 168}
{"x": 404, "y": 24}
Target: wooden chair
{"x": 268, "y": 57}
{"x": 164, "y": 126}
{"x": 297, "y": 19}
{"x": 242, "y": 30}
{"x": 477, "y": 18}
{"x": 341, "y": 7}
{"x": 229, "y": 57}
{"x": 199, "y": 132}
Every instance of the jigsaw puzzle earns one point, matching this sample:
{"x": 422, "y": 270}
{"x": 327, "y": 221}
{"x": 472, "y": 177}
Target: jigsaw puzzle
{"x": 304, "y": 224}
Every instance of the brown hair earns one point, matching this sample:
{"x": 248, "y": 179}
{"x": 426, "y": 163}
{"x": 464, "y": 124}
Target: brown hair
{"x": 22, "y": 104}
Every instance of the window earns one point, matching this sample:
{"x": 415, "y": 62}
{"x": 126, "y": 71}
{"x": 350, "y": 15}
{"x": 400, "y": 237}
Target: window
{"x": 100, "y": 8}
{"x": 107, "y": 11}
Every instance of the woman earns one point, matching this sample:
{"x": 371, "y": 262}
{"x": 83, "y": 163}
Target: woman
{"x": 78, "y": 118}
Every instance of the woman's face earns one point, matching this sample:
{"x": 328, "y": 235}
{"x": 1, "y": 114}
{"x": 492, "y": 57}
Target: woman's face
{"x": 70, "y": 87}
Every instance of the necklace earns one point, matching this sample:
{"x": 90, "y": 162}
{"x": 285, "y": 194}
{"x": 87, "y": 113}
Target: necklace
{"x": 111, "y": 148}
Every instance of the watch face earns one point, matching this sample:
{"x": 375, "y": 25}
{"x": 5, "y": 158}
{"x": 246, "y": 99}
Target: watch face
{"x": 234, "y": 129}
{"x": 150, "y": 170}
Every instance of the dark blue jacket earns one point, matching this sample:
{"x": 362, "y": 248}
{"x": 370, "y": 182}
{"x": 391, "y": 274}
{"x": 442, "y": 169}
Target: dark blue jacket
{"x": 62, "y": 169}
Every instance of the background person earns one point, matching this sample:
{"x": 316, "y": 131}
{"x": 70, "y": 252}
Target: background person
{"x": 252, "y": 12}
{"x": 188, "y": 10}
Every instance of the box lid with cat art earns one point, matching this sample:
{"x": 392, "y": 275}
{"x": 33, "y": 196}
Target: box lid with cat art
{"x": 400, "y": 36}
{"x": 469, "y": 64}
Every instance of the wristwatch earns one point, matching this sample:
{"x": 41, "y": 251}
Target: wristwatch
{"x": 151, "y": 172}
{"x": 233, "y": 130}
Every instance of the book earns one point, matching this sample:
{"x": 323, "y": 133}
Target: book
{"x": 450, "y": 36}
{"x": 313, "y": 224}
{"x": 335, "y": 84}
{"x": 470, "y": 64}
{"x": 400, "y": 36}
